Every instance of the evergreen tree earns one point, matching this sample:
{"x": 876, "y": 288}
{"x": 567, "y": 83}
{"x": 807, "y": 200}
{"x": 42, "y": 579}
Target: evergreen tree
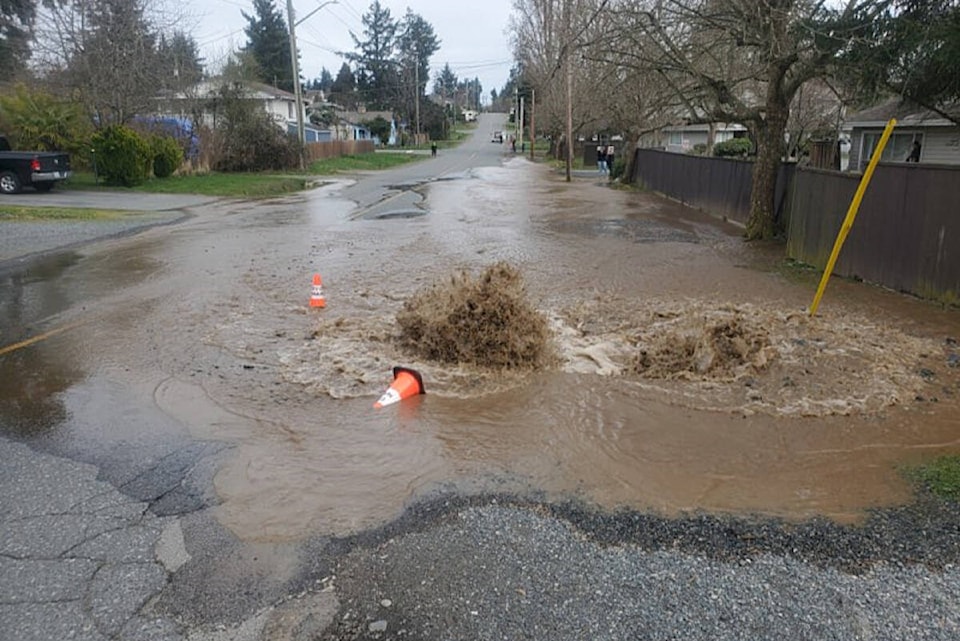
{"x": 16, "y": 21}
{"x": 912, "y": 51}
{"x": 326, "y": 81}
{"x": 269, "y": 41}
{"x": 181, "y": 66}
{"x": 343, "y": 89}
{"x": 376, "y": 70}
{"x": 416, "y": 43}
{"x": 445, "y": 85}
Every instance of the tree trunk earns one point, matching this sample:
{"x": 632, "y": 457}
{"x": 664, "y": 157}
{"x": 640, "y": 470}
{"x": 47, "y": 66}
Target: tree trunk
{"x": 770, "y": 132}
{"x": 630, "y": 149}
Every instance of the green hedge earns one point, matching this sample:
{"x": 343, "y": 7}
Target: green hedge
{"x": 122, "y": 156}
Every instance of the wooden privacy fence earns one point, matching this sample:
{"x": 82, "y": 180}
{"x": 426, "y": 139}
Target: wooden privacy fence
{"x": 336, "y": 148}
{"x": 906, "y": 236}
{"x": 720, "y": 186}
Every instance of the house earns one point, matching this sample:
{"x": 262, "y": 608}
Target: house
{"x": 349, "y": 125}
{"x": 938, "y": 137}
{"x": 280, "y": 105}
{"x": 687, "y": 138}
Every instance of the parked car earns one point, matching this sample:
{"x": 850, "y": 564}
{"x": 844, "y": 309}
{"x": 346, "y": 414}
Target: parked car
{"x": 38, "y": 169}
{"x": 497, "y": 137}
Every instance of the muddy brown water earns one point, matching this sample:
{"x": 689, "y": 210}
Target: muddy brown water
{"x": 208, "y": 323}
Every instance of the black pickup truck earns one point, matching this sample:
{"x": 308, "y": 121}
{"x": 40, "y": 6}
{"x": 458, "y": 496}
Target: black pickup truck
{"x": 39, "y": 169}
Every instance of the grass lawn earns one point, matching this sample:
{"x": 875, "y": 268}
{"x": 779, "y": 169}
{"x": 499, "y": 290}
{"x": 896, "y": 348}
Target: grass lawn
{"x": 250, "y": 184}
{"x": 241, "y": 185}
{"x": 364, "y": 162}
{"x": 940, "y": 476}
{"x": 16, "y": 213}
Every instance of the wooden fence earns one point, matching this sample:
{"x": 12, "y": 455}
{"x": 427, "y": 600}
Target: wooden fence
{"x": 720, "y": 186}
{"x": 906, "y": 236}
{"x": 336, "y": 148}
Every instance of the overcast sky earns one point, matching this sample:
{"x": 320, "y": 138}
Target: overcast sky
{"x": 472, "y": 34}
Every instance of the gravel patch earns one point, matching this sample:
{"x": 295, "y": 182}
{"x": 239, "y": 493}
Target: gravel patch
{"x": 502, "y": 568}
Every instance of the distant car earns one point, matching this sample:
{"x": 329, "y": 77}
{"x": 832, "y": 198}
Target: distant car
{"x": 497, "y": 137}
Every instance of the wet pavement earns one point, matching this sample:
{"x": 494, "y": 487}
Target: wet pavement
{"x": 181, "y": 371}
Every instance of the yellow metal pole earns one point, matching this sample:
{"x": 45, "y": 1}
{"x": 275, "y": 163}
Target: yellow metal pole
{"x": 851, "y": 214}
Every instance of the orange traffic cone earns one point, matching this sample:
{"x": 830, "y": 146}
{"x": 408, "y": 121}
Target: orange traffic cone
{"x": 316, "y": 294}
{"x": 406, "y": 383}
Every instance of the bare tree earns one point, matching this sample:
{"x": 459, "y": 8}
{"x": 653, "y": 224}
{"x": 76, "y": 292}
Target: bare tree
{"x": 106, "y": 54}
{"x": 742, "y": 61}
{"x": 551, "y": 40}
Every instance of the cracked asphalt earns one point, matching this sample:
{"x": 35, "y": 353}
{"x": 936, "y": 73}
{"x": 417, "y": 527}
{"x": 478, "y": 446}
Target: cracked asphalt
{"x": 78, "y": 558}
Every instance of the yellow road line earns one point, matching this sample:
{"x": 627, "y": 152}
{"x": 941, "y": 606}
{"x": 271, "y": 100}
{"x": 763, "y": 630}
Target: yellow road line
{"x": 36, "y": 339}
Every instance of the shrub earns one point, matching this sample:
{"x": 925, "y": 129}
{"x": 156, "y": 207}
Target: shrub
{"x": 122, "y": 156}
{"x": 736, "y": 147}
{"x": 380, "y": 128}
{"x": 40, "y": 121}
{"x": 247, "y": 139}
{"x": 619, "y": 167}
{"x": 167, "y": 155}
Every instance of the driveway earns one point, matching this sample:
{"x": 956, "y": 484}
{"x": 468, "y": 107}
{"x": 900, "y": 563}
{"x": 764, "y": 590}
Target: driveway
{"x": 129, "y": 201}
{"x": 23, "y": 240}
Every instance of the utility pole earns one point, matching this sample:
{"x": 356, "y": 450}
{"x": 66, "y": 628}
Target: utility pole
{"x": 515, "y": 109}
{"x": 416, "y": 75}
{"x": 533, "y": 113}
{"x": 295, "y": 61}
{"x": 520, "y": 137}
{"x": 569, "y": 72}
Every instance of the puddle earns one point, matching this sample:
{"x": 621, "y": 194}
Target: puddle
{"x": 398, "y": 213}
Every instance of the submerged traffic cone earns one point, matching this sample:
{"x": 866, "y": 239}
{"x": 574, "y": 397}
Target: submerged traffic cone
{"x": 406, "y": 383}
{"x": 316, "y": 294}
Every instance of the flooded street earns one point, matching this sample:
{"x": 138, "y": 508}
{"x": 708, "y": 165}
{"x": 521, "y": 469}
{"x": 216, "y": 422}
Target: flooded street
{"x": 202, "y": 332}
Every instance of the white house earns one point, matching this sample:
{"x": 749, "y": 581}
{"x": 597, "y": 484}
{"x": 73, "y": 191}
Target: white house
{"x": 939, "y": 138}
{"x": 280, "y": 105}
{"x": 685, "y": 138}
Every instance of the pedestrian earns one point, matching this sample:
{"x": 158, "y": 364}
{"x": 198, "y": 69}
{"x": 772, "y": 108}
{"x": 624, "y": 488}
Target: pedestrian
{"x": 611, "y": 152}
{"x": 914, "y": 152}
{"x": 433, "y": 148}
{"x": 601, "y": 160}
{"x": 513, "y": 144}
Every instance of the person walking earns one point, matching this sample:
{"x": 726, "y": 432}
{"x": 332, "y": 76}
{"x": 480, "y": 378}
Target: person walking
{"x": 611, "y": 153}
{"x": 601, "y": 160}
{"x": 433, "y": 148}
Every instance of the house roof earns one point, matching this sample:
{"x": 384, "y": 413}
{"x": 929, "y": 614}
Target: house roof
{"x": 258, "y": 89}
{"x": 906, "y": 113}
{"x": 721, "y": 126}
{"x": 364, "y": 116}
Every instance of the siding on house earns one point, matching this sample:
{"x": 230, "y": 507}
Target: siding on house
{"x": 683, "y": 138}
{"x": 940, "y": 145}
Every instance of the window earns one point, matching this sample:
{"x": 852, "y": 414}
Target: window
{"x": 289, "y": 111}
{"x": 723, "y": 136}
{"x": 676, "y": 138}
{"x": 897, "y": 149}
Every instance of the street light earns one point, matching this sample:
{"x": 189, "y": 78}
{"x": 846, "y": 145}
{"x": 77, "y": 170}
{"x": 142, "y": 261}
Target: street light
{"x": 296, "y": 69}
